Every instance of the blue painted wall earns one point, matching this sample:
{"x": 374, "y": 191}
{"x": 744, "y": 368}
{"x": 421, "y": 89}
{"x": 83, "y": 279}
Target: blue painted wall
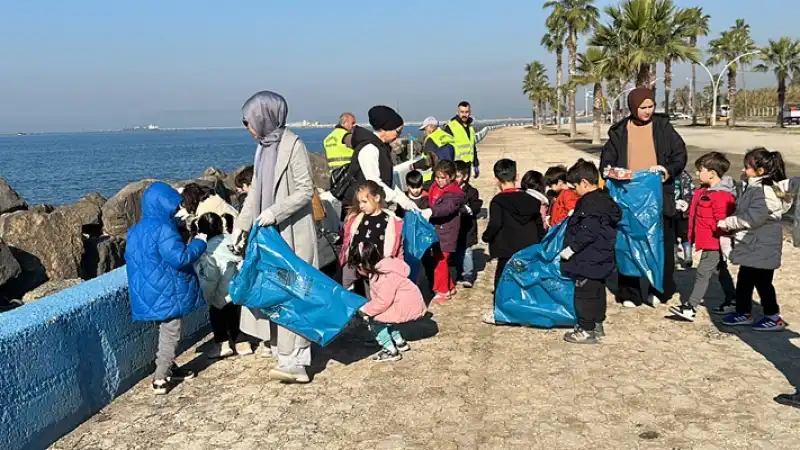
{"x": 67, "y": 356}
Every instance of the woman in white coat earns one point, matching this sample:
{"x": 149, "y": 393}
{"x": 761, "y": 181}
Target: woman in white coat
{"x": 280, "y": 196}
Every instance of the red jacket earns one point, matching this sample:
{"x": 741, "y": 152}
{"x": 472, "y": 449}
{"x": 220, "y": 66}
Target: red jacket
{"x": 565, "y": 203}
{"x": 709, "y": 206}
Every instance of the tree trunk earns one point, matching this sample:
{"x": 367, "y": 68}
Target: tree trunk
{"x": 598, "y": 113}
{"x": 693, "y": 93}
{"x": 573, "y": 61}
{"x": 540, "y": 114}
{"x": 652, "y": 84}
{"x": 559, "y": 81}
{"x": 667, "y": 83}
{"x": 781, "y": 100}
{"x": 731, "y": 96}
{"x": 534, "y": 116}
{"x": 643, "y": 76}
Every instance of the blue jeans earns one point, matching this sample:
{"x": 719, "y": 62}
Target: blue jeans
{"x": 386, "y": 335}
{"x": 465, "y": 264}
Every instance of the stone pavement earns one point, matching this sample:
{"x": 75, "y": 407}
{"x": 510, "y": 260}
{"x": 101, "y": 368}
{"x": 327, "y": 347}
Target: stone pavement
{"x": 653, "y": 384}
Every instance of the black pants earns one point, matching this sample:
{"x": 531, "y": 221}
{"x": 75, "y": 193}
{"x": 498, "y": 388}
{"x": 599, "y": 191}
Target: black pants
{"x": 760, "y": 279}
{"x": 629, "y": 287}
{"x": 498, "y": 274}
{"x": 225, "y": 323}
{"x": 590, "y": 302}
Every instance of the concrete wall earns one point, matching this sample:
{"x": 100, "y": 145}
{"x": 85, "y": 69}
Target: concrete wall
{"x": 66, "y": 356}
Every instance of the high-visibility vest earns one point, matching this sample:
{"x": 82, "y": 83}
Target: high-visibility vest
{"x": 440, "y": 138}
{"x": 336, "y": 152}
{"x": 464, "y": 144}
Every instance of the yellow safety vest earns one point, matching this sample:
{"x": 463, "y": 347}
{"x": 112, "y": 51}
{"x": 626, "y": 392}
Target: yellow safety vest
{"x": 336, "y": 152}
{"x": 440, "y": 138}
{"x": 464, "y": 144}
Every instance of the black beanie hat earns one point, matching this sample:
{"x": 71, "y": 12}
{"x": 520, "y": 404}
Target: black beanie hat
{"x": 384, "y": 118}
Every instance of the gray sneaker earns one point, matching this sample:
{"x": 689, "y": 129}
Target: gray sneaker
{"x": 599, "y": 331}
{"x": 290, "y": 375}
{"x": 581, "y": 336}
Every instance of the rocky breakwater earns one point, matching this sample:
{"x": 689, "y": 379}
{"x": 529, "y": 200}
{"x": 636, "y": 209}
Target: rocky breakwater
{"x": 44, "y": 248}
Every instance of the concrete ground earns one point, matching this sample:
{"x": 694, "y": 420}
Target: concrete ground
{"x": 654, "y": 383}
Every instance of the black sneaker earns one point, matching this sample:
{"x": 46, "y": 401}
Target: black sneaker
{"x": 581, "y": 336}
{"x": 387, "y": 356}
{"x": 599, "y": 331}
{"x": 180, "y": 374}
{"x": 727, "y": 307}
{"x": 685, "y": 312}
{"x": 789, "y": 399}
{"x": 402, "y": 346}
{"x": 162, "y": 387}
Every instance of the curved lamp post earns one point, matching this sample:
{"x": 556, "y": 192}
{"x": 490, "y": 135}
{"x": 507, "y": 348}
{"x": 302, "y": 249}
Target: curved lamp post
{"x": 715, "y": 83}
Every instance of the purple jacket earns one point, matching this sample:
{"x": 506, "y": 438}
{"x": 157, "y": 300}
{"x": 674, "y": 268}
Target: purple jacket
{"x": 446, "y": 218}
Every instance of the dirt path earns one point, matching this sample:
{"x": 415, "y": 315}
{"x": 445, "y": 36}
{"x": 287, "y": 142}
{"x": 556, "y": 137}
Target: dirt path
{"x": 653, "y": 384}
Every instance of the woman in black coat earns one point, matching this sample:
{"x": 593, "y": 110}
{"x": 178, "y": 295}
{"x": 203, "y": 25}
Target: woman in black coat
{"x": 645, "y": 140}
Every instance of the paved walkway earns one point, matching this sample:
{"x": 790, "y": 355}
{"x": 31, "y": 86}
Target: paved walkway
{"x": 653, "y": 384}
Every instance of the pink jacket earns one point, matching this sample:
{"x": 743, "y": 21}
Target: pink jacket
{"x": 393, "y": 297}
{"x": 392, "y": 244}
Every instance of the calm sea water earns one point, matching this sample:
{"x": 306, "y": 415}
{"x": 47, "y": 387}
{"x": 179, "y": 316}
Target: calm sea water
{"x": 62, "y": 168}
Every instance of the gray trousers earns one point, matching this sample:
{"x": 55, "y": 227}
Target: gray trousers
{"x": 169, "y": 339}
{"x": 712, "y": 263}
{"x": 294, "y": 351}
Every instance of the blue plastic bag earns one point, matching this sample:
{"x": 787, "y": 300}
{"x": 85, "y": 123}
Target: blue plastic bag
{"x": 532, "y": 290}
{"x": 290, "y": 291}
{"x": 418, "y": 236}
{"x": 640, "y": 236}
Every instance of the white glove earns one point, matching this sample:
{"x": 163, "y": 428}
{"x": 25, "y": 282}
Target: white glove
{"x": 469, "y": 210}
{"x": 662, "y": 169}
{"x": 201, "y": 237}
{"x": 682, "y": 205}
{"x": 726, "y": 246}
{"x": 571, "y": 212}
{"x": 722, "y": 225}
{"x": 427, "y": 213}
{"x": 266, "y": 218}
{"x": 567, "y": 253}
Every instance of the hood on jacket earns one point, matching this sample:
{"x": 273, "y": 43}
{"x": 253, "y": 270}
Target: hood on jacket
{"x": 518, "y": 205}
{"x": 538, "y": 196}
{"x": 160, "y": 201}
{"x": 600, "y": 204}
{"x": 220, "y": 247}
{"x": 777, "y": 196}
{"x": 394, "y": 265}
{"x": 363, "y": 136}
{"x": 726, "y": 184}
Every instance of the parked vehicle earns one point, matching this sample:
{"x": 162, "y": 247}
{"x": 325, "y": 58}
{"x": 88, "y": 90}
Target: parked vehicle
{"x": 791, "y": 114}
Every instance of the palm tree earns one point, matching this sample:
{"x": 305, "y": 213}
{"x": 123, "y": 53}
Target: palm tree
{"x": 696, "y": 25}
{"x": 536, "y": 86}
{"x": 675, "y": 47}
{"x": 578, "y": 17}
{"x": 783, "y": 57}
{"x": 553, "y": 42}
{"x": 731, "y": 44}
{"x": 592, "y": 69}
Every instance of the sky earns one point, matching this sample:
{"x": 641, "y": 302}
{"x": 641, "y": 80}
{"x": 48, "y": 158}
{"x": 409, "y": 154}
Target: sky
{"x": 95, "y": 65}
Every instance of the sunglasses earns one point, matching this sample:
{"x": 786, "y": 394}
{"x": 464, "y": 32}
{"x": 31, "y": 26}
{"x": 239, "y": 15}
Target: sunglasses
{"x": 245, "y": 123}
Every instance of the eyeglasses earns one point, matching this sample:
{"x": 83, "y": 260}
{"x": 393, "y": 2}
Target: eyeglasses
{"x": 245, "y": 123}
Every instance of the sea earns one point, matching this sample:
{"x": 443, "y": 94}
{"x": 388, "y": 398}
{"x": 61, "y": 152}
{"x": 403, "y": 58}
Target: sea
{"x": 60, "y": 168}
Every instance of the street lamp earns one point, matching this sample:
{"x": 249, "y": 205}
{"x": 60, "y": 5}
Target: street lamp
{"x": 715, "y": 83}
{"x": 586, "y": 96}
{"x": 613, "y": 102}
{"x": 691, "y": 94}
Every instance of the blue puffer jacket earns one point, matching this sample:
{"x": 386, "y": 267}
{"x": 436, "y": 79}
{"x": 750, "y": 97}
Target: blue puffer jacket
{"x": 161, "y": 280}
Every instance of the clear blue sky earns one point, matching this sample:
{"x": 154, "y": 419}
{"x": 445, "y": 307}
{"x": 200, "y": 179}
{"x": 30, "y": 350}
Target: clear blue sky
{"x": 88, "y": 65}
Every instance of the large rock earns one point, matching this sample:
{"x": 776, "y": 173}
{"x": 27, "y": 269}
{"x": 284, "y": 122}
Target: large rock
{"x": 102, "y": 254}
{"x": 47, "y": 247}
{"x": 9, "y": 267}
{"x": 44, "y": 208}
{"x": 86, "y": 214}
{"x": 10, "y": 201}
{"x": 49, "y": 288}
{"x": 214, "y": 172}
{"x": 320, "y": 173}
{"x": 124, "y": 209}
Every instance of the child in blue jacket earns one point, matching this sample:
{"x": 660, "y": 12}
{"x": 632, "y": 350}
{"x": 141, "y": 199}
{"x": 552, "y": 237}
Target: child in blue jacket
{"x": 162, "y": 283}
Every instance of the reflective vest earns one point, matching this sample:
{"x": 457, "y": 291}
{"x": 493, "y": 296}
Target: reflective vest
{"x": 440, "y": 138}
{"x": 336, "y": 152}
{"x": 464, "y": 144}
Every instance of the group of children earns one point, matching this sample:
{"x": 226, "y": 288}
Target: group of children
{"x": 170, "y": 275}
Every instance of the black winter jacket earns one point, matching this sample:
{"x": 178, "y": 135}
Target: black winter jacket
{"x": 670, "y": 153}
{"x": 468, "y": 233}
{"x": 361, "y": 138}
{"x": 515, "y": 223}
{"x": 592, "y": 234}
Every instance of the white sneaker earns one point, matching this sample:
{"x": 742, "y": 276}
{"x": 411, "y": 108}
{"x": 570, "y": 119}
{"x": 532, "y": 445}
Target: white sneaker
{"x": 628, "y": 304}
{"x": 220, "y": 351}
{"x": 290, "y": 375}
{"x": 244, "y": 348}
{"x": 653, "y": 301}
